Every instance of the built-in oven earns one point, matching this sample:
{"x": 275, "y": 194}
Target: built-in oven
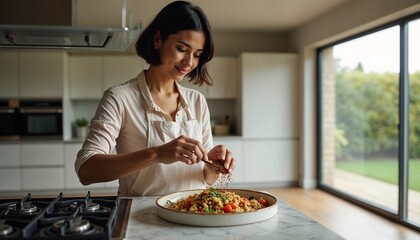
{"x": 9, "y": 119}
{"x": 41, "y": 118}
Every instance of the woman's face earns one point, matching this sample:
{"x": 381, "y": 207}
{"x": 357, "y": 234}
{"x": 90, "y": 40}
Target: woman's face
{"x": 180, "y": 53}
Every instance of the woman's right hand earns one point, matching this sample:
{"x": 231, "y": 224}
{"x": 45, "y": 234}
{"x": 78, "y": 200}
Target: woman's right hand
{"x": 182, "y": 149}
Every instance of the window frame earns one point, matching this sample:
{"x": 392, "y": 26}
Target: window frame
{"x": 403, "y": 139}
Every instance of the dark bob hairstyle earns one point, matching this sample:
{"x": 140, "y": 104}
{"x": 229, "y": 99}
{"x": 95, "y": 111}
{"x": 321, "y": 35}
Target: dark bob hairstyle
{"x": 175, "y": 17}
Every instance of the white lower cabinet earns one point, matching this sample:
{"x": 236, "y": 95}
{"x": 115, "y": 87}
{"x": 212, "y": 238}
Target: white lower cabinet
{"x": 270, "y": 161}
{"x": 10, "y": 179}
{"x": 260, "y": 161}
{"x": 10, "y": 155}
{"x": 71, "y": 179}
{"x": 112, "y": 184}
{"x": 42, "y": 166}
{"x": 10, "y": 172}
{"x": 43, "y": 178}
{"x": 42, "y": 154}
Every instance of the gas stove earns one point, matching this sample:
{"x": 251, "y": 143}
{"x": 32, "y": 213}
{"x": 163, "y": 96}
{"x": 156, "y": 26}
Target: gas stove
{"x": 64, "y": 218}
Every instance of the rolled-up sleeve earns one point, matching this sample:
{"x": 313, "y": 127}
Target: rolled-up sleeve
{"x": 103, "y": 130}
{"x": 206, "y": 124}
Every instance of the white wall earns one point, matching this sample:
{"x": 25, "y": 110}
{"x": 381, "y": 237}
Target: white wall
{"x": 348, "y": 19}
{"x": 234, "y": 43}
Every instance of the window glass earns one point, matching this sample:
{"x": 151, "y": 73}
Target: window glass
{"x": 360, "y": 115}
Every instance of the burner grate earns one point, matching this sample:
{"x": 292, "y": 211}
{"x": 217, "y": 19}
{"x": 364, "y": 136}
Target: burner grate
{"x": 58, "y": 218}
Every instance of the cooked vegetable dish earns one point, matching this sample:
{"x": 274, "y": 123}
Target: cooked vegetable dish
{"x": 217, "y": 201}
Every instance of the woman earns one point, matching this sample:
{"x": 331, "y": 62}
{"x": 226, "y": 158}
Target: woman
{"x": 161, "y": 130}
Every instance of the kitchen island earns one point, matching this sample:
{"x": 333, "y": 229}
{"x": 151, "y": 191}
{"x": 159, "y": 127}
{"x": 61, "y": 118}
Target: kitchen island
{"x": 287, "y": 224}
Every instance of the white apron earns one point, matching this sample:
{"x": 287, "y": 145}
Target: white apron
{"x": 174, "y": 177}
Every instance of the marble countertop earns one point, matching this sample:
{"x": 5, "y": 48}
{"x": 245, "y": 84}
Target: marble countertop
{"x": 287, "y": 224}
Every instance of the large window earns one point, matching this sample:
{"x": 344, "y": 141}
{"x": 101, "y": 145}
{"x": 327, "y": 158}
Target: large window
{"x": 369, "y": 127}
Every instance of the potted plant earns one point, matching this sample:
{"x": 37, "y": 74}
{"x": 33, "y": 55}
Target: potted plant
{"x": 81, "y": 127}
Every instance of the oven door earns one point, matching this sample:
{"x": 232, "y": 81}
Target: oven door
{"x": 41, "y": 122}
{"x": 9, "y": 123}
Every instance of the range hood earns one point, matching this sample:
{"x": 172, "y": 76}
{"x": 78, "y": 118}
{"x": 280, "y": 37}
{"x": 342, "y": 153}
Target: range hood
{"x": 67, "y": 37}
{"x": 70, "y": 37}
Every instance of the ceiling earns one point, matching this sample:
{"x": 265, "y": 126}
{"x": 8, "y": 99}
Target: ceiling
{"x": 224, "y": 15}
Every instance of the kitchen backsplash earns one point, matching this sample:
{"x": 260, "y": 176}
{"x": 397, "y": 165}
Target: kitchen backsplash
{"x": 222, "y": 108}
{"x": 219, "y": 109}
{"x": 85, "y": 108}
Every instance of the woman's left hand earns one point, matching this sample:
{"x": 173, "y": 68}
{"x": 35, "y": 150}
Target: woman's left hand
{"x": 220, "y": 152}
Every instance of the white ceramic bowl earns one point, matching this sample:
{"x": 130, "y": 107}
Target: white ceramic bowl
{"x": 213, "y": 220}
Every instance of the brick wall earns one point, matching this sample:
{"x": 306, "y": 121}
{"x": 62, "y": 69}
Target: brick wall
{"x": 328, "y": 116}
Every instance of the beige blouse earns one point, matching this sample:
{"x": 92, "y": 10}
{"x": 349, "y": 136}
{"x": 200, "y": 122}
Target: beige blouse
{"x": 120, "y": 122}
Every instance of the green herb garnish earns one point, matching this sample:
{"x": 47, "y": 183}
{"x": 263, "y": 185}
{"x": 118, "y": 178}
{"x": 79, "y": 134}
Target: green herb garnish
{"x": 208, "y": 210}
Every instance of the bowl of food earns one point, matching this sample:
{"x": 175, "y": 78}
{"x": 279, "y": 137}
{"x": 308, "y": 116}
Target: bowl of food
{"x": 217, "y": 207}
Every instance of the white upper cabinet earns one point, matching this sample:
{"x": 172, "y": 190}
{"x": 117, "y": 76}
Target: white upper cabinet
{"x": 269, "y": 95}
{"x": 9, "y": 74}
{"x": 90, "y": 76}
{"x": 223, "y": 72}
{"x": 202, "y": 89}
{"x": 42, "y": 74}
{"x": 85, "y": 77}
{"x": 32, "y": 74}
{"x": 119, "y": 69}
